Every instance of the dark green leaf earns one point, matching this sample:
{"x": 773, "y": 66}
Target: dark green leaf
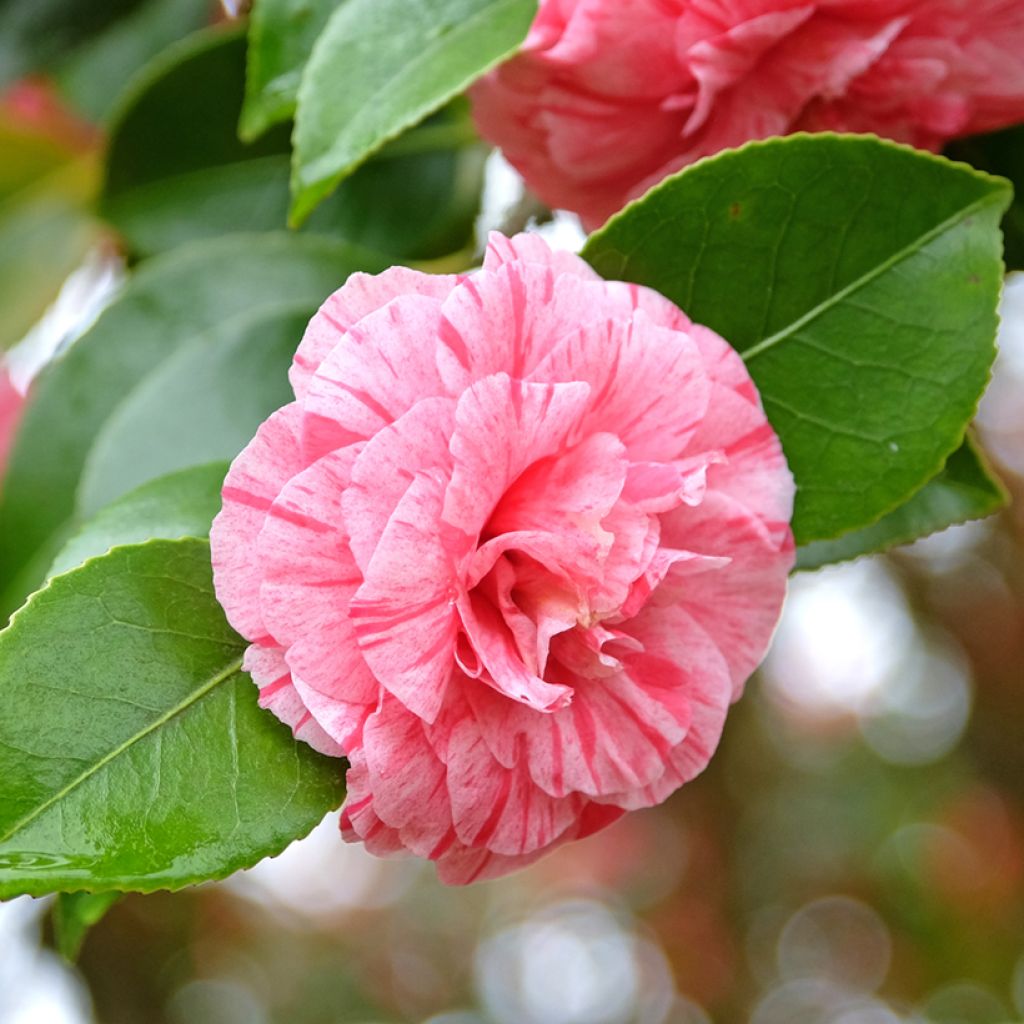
{"x": 201, "y": 404}
{"x": 964, "y": 490}
{"x": 94, "y": 75}
{"x": 281, "y": 38}
{"x": 33, "y": 33}
{"x": 180, "y": 504}
{"x": 173, "y": 177}
{"x": 1001, "y": 153}
{"x": 133, "y": 754}
{"x": 74, "y": 913}
{"x": 170, "y": 301}
{"x": 858, "y": 279}
{"x": 380, "y": 67}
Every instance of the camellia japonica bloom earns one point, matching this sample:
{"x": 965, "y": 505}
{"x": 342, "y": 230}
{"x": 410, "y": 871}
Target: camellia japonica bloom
{"x": 607, "y": 97}
{"x": 513, "y": 550}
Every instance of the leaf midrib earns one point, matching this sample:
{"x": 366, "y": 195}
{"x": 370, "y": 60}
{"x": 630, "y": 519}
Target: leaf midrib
{"x": 854, "y": 286}
{"x": 232, "y": 669}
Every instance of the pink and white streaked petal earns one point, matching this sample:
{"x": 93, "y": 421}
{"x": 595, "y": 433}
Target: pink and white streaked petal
{"x": 404, "y": 612}
{"x": 270, "y": 673}
{"x": 309, "y": 579}
{"x": 416, "y": 441}
{"x": 738, "y": 604}
{"x": 406, "y": 777}
{"x": 648, "y": 383}
{"x": 503, "y": 425}
{"x": 531, "y": 248}
{"x": 254, "y": 480}
{"x": 384, "y": 365}
{"x": 508, "y": 320}
{"x": 496, "y": 647}
{"x": 359, "y": 296}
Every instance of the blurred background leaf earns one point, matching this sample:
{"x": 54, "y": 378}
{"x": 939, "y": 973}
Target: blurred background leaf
{"x": 172, "y": 176}
{"x": 169, "y": 303}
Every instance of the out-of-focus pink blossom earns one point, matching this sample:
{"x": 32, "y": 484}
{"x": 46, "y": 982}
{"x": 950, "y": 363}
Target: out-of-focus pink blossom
{"x": 608, "y": 97}
{"x": 513, "y": 549}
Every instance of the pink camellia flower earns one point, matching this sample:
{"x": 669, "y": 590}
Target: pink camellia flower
{"x": 607, "y": 97}
{"x": 513, "y": 550}
{"x": 12, "y": 402}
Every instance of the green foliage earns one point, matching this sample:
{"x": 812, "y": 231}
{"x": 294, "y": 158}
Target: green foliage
{"x": 93, "y": 76}
{"x": 964, "y": 490}
{"x": 1001, "y": 153}
{"x": 380, "y": 67}
{"x": 34, "y": 34}
{"x": 171, "y": 303}
{"x": 281, "y": 38}
{"x": 74, "y": 913}
{"x": 858, "y": 279}
{"x": 180, "y": 504}
{"x": 172, "y": 177}
{"x": 179, "y": 777}
{"x": 204, "y": 402}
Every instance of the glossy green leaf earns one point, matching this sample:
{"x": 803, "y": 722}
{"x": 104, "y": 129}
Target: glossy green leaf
{"x": 133, "y": 754}
{"x": 964, "y": 490}
{"x": 1001, "y": 153}
{"x": 94, "y": 75}
{"x": 380, "y": 67}
{"x": 201, "y": 404}
{"x": 281, "y": 38}
{"x": 167, "y": 304}
{"x": 196, "y": 179}
{"x": 858, "y": 279}
{"x": 34, "y": 33}
{"x": 74, "y": 913}
{"x": 180, "y": 504}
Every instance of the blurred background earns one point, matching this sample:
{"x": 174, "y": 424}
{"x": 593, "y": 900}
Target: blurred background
{"x": 853, "y": 855}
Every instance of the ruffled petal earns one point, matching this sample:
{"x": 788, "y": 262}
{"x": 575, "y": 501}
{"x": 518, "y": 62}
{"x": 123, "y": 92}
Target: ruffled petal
{"x": 255, "y": 479}
{"x": 309, "y": 579}
{"x": 404, "y": 612}
{"x": 359, "y": 296}
{"x": 270, "y": 673}
{"x": 649, "y": 386}
{"x": 382, "y": 367}
{"x": 415, "y": 442}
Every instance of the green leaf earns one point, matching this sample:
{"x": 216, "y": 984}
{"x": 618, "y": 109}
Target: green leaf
{"x": 74, "y": 913}
{"x": 964, "y": 490}
{"x": 1001, "y": 153}
{"x": 281, "y": 38}
{"x": 133, "y": 754}
{"x": 94, "y": 75}
{"x": 858, "y": 279}
{"x": 34, "y": 33}
{"x": 380, "y": 67}
{"x": 200, "y": 404}
{"x": 170, "y": 301}
{"x": 180, "y": 504}
{"x": 195, "y": 178}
